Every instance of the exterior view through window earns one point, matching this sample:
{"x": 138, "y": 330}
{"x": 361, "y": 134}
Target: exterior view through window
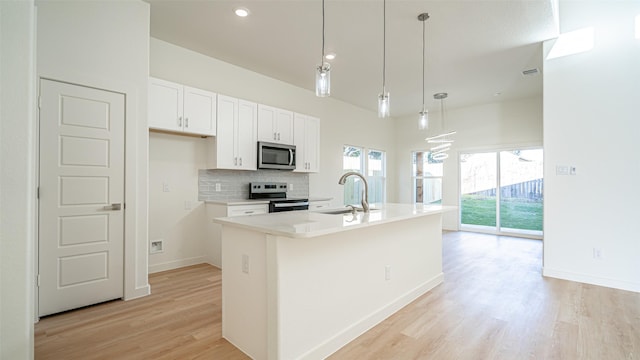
{"x": 372, "y": 166}
{"x": 517, "y": 206}
{"x": 427, "y": 178}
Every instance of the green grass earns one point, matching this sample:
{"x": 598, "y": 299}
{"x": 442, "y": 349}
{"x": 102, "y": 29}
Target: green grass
{"x": 515, "y": 213}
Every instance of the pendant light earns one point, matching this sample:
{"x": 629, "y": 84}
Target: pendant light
{"x": 423, "y": 118}
{"x": 323, "y": 71}
{"x": 383, "y": 98}
{"x": 439, "y": 152}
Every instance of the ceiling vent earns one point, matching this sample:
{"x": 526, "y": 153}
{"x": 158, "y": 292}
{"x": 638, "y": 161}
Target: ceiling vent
{"x": 530, "y": 72}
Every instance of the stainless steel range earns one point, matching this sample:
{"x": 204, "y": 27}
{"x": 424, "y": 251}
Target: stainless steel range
{"x": 276, "y": 193}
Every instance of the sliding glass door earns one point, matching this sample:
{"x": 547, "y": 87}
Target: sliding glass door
{"x": 517, "y": 207}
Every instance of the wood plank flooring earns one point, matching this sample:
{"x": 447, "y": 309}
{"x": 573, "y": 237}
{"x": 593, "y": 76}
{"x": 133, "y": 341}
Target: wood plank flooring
{"x": 494, "y": 304}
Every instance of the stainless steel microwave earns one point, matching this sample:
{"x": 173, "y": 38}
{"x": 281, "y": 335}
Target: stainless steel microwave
{"x": 276, "y": 156}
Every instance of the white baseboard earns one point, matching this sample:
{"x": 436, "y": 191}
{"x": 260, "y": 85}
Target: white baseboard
{"x": 347, "y": 335}
{"x": 175, "y": 264}
{"x": 590, "y": 279}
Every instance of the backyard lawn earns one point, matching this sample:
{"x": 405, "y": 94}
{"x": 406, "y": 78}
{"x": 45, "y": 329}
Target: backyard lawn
{"x": 515, "y": 213}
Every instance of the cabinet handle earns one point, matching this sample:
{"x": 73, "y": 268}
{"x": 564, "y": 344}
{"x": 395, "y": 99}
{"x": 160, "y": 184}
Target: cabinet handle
{"x": 180, "y": 121}
{"x": 235, "y": 161}
{"x": 278, "y": 136}
{"x": 249, "y": 212}
{"x": 186, "y": 122}
{"x": 274, "y": 136}
{"x": 240, "y": 161}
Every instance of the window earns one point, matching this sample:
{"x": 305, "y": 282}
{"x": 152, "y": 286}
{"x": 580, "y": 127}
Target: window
{"x": 502, "y": 191}
{"x": 427, "y": 178}
{"x": 373, "y": 166}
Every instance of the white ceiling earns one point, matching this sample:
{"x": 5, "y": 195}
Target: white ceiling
{"x": 475, "y": 48}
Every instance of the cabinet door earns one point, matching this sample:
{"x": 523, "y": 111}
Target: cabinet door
{"x": 225, "y": 146}
{"x": 299, "y": 122}
{"x": 284, "y": 126}
{"x": 199, "y": 111}
{"x": 246, "y": 135}
{"x": 312, "y": 144}
{"x": 165, "y": 105}
{"x": 266, "y": 123}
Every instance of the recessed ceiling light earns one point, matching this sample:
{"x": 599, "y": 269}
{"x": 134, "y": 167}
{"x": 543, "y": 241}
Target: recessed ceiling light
{"x": 242, "y": 12}
{"x": 330, "y": 56}
{"x": 497, "y": 93}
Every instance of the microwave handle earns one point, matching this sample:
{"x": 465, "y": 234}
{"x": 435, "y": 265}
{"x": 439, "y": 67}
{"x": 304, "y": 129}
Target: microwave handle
{"x": 290, "y": 157}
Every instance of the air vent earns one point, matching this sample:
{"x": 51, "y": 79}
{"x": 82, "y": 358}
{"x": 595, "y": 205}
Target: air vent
{"x": 530, "y": 72}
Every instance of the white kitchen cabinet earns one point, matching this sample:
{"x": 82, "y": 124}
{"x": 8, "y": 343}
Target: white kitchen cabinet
{"x": 306, "y": 137}
{"x": 179, "y": 108}
{"x": 213, "y": 244}
{"x": 275, "y": 125}
{"x": 236, "y": 139}
{"x": 246, "y": 210}
{"x": 315, "y": 205}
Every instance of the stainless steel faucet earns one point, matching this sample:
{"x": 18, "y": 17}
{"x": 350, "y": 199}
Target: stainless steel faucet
{"x": 365, "y": 197}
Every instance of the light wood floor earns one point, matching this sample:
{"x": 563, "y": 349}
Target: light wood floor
{"x": 494, "y": 304}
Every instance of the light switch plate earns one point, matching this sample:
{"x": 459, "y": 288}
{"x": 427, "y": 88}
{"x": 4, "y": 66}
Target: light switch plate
{"x": 562, "y": 170}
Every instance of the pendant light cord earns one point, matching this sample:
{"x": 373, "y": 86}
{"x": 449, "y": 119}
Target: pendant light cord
{"x": 423, "y": 48}
{"x": 322, "y": 58}
{"x": 384, "y": 44}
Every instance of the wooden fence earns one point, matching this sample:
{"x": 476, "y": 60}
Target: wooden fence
{"x": 531, "y": 190}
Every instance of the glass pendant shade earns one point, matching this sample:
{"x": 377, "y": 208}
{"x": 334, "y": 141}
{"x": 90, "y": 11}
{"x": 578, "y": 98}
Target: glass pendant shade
{"x": 383, "y": 105}
{"x": 423, "y": 119}
{"x": 323, "y": 80}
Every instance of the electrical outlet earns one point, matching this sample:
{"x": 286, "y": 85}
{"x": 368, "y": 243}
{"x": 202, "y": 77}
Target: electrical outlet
{"x": 245, "y": 263}
{"x": 187, "y": 205}
{"x": 572, "y": 170}
{"x": 218, "y": 187}
{"x": 290, "y": 187}
{"x": 157, "y": 246}
{"x": 165, "y": 187}
{"x": 387, "y": 272}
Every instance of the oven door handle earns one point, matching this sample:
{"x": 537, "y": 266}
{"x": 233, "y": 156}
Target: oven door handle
{"x": 291, "y": 157}
{"x": 281, "y": 205}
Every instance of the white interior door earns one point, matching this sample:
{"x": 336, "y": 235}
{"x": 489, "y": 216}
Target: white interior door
{"x": 81, "y": 193}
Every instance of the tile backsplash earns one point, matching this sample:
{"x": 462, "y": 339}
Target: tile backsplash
{"x": 234, "y": 184}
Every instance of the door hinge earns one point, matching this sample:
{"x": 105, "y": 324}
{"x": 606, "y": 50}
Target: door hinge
{"x": 39, "y": 101}
{"x": 38, "y": 280}
{"x": 38, "y": 192}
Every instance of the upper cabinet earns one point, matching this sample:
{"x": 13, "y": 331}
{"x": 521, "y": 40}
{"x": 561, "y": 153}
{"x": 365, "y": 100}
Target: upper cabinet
{"x": 236, "y": 140}
{"x": 275, "y": 125}
{"x": 307, "y": 140}
{"x": 179, "y": 108}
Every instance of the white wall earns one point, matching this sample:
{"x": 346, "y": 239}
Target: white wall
{"x": 17, "y": 178}
{"x": 489, "y": 126}
{"x": 105, "y": 44}
{"x": 591, "y": 121}
{"x": 176, "y": 216}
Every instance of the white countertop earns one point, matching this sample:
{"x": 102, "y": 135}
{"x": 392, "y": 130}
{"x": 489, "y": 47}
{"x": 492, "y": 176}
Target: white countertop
{"x": 306, "y": 224}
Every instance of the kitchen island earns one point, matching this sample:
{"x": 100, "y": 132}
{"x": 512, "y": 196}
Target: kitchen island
{"x": 302, "y": 284}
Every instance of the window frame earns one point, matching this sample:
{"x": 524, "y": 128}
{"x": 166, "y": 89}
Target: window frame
{"x": 415, "y": 178}
{"x": 364, "y": 163}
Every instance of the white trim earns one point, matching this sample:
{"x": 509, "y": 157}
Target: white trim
{"x": 176, "y": 264}
{"x": 590, "y": 279}
{"x": 347, "y": 335}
